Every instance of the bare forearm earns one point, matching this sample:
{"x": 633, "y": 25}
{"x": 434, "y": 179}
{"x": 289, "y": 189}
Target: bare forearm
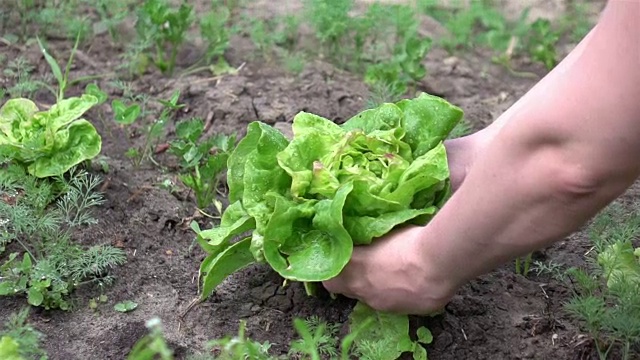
{"x": 569, "y": 148}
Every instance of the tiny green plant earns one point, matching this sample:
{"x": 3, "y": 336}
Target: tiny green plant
{"x": 523, "y": 266}
{"x": 135, "y": 109}
{"x": 214, "y": 29}
{"x": 202, "y": 162}
{"x": 125, "y": 306}
{"x": 607, "y": 294}
{"x": 160, "y": 26}
{"x": 111, "y": 14}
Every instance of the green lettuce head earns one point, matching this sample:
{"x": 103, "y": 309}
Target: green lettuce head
{"x": 308, "y": 201}
{"x": 48, "y": 142}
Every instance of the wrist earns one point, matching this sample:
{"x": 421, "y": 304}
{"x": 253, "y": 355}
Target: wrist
{"x": 442, "y": 284}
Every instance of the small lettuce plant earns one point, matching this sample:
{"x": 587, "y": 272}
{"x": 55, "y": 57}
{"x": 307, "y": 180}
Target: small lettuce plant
{"x": 48, "y": 142}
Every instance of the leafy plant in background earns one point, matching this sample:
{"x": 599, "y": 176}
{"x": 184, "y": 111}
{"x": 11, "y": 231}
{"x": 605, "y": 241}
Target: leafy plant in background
{"x": 214, "y": 29}
{"x": 307, "y": 202}
{"x": 49, "y": 265}
{"x": 126, "y": 114}
{"x": 161, "y": 27}
{"x": 541, "y": 43}
{"x": 608, "y": 293}
{"x": 202, "y": 162}
{"x": 40, "y": 17}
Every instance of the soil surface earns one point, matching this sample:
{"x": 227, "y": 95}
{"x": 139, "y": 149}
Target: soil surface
{"x": 500, "y": 315}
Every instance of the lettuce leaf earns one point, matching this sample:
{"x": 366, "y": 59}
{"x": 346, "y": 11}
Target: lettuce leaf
{"x": 50, "y": 142}
{"x": 305, "y": 203}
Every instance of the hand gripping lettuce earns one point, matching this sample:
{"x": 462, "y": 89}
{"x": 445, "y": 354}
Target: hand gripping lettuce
{"x": 302, "y": 205}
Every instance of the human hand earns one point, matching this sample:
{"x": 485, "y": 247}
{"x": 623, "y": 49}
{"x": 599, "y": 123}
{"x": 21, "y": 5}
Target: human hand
{"x": 395, "y": 274}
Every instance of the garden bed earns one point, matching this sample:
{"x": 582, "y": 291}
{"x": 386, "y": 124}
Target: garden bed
{"x": 500, "y": 315}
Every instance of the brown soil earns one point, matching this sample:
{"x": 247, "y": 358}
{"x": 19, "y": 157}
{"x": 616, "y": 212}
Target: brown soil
{"x": 497, "y": 316}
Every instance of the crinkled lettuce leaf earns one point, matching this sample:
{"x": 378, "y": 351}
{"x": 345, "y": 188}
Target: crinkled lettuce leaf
{"x": 308, "y": 201}
{"x": 48, "y": 142}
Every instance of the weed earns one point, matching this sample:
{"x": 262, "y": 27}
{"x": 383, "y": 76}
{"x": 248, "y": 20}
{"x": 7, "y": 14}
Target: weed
{"x": 202, "y": 162}
{"x": 133, "y": 108}
{"x": 44, "y": 17}
{"x": 317, "y": 339}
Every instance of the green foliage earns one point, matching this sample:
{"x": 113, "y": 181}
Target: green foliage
{"x": 308, "y": 201}
{"x": 48, "y": 142}
{"x": 240, "y": 347}
{"x": 49, "y": 18}
{"x": 541, "y": 43}
{"x": 111, "y": 14}
{"x": 214, "y": 29}
{"x": 160, "y": 26}
{"x": 383, "y": 43}
{"x": 386, "y": 335}
{"x": 125, "y": 306}
{"x": 132, "y": 109}
{"x": 607, "y": 295}
{"x": 202, "y": 162}
{"x": 317, "y": 339}
{"x": 482, "y": 24}
{"x": 50, "y": 266}
{"x": 19, "y": 340}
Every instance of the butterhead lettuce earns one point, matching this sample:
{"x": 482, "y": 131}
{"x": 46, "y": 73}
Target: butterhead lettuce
{"x": 301, "y": 205}
{"x": 48, "y": 142}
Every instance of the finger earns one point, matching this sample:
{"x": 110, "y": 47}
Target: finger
{"x": 334, "y": 286}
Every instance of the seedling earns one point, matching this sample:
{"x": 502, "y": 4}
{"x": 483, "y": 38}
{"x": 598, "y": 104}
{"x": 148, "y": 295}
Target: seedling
{"x": 523, "y": 266}
{"x": 542, "y": 42}
{"x": 202, "y": 162}
{"x": 125, "y": 306}
{"x": 161, "y": 26}
{"x": 127, "y": 114}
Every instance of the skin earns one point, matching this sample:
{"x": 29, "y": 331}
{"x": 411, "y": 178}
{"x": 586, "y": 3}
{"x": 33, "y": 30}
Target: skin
{"x": 551, "y": 162}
